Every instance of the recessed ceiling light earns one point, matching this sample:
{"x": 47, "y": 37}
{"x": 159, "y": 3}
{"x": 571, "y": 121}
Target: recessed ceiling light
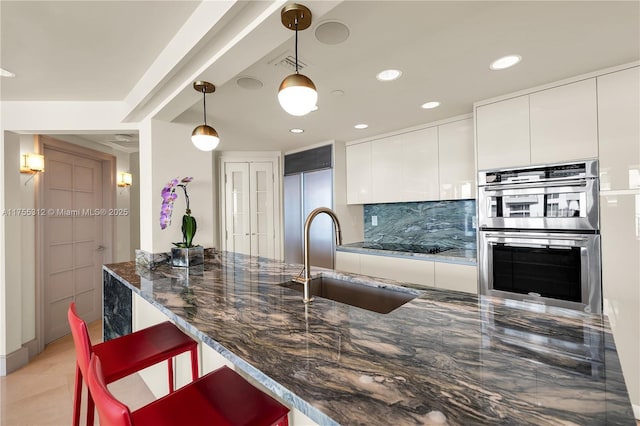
{"x": 361, "y": 126}
{"x": 431, "y": 105}
{"x": 5, "y": 73}
{"x": 505, "y": 62}
{"x": 388, "y": 75}
{"x": 296, "y": 130}
{"x": 315, "y": 108}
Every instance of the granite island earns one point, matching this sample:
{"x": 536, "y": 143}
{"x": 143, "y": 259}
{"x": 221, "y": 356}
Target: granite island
{"x": 443, "y": 358}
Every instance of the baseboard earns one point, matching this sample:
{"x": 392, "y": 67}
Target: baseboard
{"x": 636, "y": 411}
{"x": 13, "y": 361}
{"x": 32, "y": 347}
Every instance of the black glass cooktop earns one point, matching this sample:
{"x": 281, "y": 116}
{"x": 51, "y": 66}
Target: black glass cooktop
{"x": 408, "y": 248}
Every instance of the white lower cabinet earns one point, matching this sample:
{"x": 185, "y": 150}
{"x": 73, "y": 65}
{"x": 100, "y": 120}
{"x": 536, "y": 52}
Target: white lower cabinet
{"x": 347, "y": 262}
{"x": 452, "y": 276}
{"x": 146, "y": 315}
{"x": 398, "y": 269}
{"x": 447, "y": 276}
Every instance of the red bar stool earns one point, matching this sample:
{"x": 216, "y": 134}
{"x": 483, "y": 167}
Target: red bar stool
{"x": 221, "y": 398}
{"x": 126, "y": 355}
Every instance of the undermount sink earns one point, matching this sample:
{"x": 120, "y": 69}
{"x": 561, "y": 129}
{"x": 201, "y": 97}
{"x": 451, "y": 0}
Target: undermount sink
{"x": 376, "y": 299}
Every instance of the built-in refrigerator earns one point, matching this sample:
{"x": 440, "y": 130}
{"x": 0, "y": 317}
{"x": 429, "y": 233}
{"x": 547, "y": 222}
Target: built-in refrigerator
{"x": 308, "y": 184}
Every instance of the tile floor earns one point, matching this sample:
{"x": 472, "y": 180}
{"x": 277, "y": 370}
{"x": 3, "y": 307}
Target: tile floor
{"x": 41, "y": 393}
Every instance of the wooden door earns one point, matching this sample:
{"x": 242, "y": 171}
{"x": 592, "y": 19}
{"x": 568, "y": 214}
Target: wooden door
{"x": 73, "y": 239}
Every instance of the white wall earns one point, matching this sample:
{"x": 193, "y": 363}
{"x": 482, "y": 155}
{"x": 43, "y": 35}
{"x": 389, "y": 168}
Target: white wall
{"x": 166, "y": 152}
{"x": 351, "y": 216}
{"x": 27, "y": 232}
{"x": 134, "y": 203}
{"x": 12, "y": 246}
{"x": 123, "y": 195}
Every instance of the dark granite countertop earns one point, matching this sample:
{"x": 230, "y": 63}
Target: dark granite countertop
{"x": 454, "y": 255}
{"x": 443, "y": 358}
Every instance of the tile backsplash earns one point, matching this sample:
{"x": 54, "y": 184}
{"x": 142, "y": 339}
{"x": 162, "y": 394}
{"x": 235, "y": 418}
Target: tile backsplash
{"x": 446, "y": 223}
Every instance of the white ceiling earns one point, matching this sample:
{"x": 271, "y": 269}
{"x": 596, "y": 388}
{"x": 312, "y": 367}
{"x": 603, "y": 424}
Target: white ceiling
{"x": 99, "y": 51}
{"x": 83, "y": 50}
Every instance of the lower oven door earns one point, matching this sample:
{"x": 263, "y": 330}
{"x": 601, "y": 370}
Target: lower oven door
{"x": 557, "y": 269}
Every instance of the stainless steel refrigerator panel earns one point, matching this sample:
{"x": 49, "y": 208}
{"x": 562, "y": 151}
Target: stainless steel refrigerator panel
{"x": 293, "y": 221}
{"x": 317, "y": 192}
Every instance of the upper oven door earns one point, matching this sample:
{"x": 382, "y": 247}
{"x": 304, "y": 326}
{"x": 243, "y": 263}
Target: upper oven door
{"x": 562, "y": 205}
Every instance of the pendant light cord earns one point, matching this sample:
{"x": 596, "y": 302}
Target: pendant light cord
{"x": 296, "y": 24}
{"x": 204, "y": 101}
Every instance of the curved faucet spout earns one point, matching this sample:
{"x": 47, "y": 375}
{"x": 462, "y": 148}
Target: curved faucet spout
{"x": 307, "y": 226}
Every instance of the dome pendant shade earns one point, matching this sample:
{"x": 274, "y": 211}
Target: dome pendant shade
{"x": 205, "y": 138}
{"x": 297, "y": 95}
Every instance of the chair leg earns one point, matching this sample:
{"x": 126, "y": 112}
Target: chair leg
{"x": 90, "y": 409}
{"x": 194, "y": 363}
{"x": 77, "y": 397}
{"x": 170, "y": 365}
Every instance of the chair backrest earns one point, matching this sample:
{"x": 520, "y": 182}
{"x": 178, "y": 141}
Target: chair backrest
{"x": 81, "y": 339}
{"x": 111, "y": 412}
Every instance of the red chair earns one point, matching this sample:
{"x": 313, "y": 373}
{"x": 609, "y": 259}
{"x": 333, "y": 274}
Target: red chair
{"x": 220, "y": 398}
{"x": 126, "y": 355}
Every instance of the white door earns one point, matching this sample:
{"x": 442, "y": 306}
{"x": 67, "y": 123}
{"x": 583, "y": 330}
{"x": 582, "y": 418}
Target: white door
{"x": 249, "y": 208}
{"x": 73, "y": 238}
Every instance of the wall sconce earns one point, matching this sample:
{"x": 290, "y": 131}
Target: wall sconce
{"x": 124, "y": 180}
{"x": 297, "y": 94}
{"x": 204, "y": 137}
{"x": 31, "y": 163}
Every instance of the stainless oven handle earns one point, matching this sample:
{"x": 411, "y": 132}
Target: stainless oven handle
{"x": 526, "y": 245}
{"x": 541, "y": 184}
{"x": 569, "y": 237}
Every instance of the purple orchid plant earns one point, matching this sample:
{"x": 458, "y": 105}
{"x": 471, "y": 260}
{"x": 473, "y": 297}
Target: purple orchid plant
{"x": 188, "y": 222}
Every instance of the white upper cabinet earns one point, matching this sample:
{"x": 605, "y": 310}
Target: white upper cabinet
{"x": 456, "y": 160}
{"x": 563, "y": 123}
{"x": 405, "y": 167}
{"x": 619, "y": 129}
{"x": 409, "y": 166}
{"x": 419, "y": 167}
{"x": 386, "y": 156}
{"x": 548, "y": 126}
{"x": 503, "y": 133}
{"x": 359, "y": 173}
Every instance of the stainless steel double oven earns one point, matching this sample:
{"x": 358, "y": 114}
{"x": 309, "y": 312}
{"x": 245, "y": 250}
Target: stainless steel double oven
{"x": 539, "y": 235}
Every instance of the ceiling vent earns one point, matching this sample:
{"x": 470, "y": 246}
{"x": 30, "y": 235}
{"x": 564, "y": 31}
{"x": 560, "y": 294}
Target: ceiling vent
{"x": 125, "y": 137}
{"x": 288, "y": 61}
{"x": 125, "y": 144}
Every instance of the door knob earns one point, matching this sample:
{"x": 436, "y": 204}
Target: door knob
{"x": 100, "y": 248}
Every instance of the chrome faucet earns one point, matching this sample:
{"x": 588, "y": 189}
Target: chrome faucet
{"x": 306, "y": 278}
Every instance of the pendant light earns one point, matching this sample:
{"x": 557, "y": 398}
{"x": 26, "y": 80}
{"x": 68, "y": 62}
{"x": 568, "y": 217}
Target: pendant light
{"x": 204, "y": 137}
{"x": 297, "y": 94}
